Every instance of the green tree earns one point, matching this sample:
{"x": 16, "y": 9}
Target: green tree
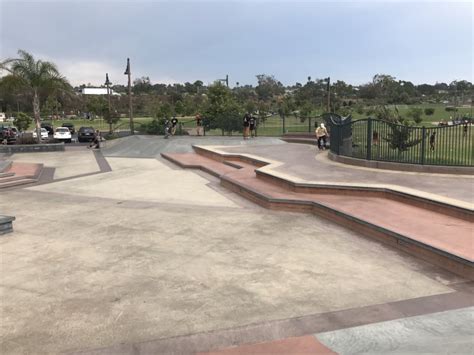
{"x": 222, "y": 110}
{"x": 268, "y": 87}
{"x": 34, "y": 77}
{"x": 52, "y": 106}
{"x": 23, "y": 121}
{"x": 416, "y": 114}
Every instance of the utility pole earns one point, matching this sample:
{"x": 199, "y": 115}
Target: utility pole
{"x": 129, "y": 73}
{"x": 329, "y": 93}
{"x": 108, "y": 83}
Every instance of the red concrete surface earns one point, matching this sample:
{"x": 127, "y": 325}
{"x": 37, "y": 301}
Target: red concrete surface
{"x": 440, "y": 231}
{"x": 300, "y": 345}
{"x": 25, "y": 169}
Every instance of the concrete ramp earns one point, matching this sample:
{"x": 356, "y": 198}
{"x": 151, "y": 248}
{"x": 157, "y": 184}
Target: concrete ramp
{"x": 153, "y": 146}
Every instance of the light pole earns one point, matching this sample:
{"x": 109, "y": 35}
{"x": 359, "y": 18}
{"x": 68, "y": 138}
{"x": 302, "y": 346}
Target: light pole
{"x": 328, "y": 79}
{"x": 108, "y": 83}
{"x": 129, "y": 73}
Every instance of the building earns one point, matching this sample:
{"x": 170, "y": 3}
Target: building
{"x": 97, "y": 91}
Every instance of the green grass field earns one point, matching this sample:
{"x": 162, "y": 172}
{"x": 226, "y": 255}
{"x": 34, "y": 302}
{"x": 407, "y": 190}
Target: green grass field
{"x": 273, "y": 126}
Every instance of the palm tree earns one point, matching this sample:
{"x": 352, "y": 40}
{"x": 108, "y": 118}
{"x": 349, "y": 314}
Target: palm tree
{"x": 34, "y": 77}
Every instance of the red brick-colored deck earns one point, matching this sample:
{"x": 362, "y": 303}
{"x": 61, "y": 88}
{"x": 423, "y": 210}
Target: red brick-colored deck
{"x": 430, "y": 228}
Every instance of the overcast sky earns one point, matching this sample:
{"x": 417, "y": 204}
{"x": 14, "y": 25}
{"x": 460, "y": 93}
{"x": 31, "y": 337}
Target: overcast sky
{"x": 178, "y": 41}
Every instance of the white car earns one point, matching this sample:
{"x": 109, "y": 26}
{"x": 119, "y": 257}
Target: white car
{"x": 44, "y": 133}
{"x": 62, "y": 134}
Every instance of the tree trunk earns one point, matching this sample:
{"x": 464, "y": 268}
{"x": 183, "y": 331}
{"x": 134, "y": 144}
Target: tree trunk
{"x": 36, "y": 110}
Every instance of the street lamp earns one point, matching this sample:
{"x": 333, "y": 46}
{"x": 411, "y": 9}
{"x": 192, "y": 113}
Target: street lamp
{"x": 129, "y": 73}
{"x": 328, "y": 79}
{"x": 108, "y": 83}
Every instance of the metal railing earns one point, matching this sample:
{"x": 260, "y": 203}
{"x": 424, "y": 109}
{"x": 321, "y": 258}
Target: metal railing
{"x": 374, "y": 139}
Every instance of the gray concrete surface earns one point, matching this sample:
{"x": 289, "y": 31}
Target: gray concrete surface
{"x": 450, "y": 332}
{"x": 307, "y": 162}
{"x": 88, "y": 269}
{"x": 153, "y": 146}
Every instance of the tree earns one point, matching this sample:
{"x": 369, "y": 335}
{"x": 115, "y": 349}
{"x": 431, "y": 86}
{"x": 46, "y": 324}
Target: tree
{"x": 268, "y": 87}
{"x": 400, "y": 138}
{"x": 52, "y": 106}
{"x": 416, "y": 113}
{"x": 222, "y": 111}
{"x": 22, "y": 121}
{"x": 34, "y": 77}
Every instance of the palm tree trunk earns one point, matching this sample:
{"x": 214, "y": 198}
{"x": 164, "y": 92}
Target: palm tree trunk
{"x": 36, "y": 110}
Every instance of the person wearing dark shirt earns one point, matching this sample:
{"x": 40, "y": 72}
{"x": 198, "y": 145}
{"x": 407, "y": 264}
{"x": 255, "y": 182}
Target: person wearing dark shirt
{"x": 174, "y": 123}
{"x": 432, "y": 140}
{"x": 246, "y": 124}
{"x": 198, "y": 124}
{"x": 252, "y": 124}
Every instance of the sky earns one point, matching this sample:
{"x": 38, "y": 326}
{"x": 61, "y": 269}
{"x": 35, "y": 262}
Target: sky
{"x": 179, "y": 41}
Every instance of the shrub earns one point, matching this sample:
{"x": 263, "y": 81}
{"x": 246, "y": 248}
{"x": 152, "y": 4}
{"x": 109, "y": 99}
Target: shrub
{"x": 429, "y": 111}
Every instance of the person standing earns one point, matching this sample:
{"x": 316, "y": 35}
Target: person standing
{"x": 252, "y": 126}
{"x": 432, "y": 140}
{"x": 198, "y": 124}
{"x": 321, "y": 135}
{"x": 95, "y": 144}
{"x": 174, "y": 123}
{"x": 246, "y": 124}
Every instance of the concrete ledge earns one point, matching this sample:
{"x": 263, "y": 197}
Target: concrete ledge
{"x": 441, "y": 258}
{"x": 5, "y": 165}
{"x": 6, "y": 224}
{"x": 436, "y": 169}
{"x": 28, "y": 148}
{"x": 265, "y": 170}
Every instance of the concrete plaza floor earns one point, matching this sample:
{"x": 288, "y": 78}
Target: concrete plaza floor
{"x": 151, "y": 252}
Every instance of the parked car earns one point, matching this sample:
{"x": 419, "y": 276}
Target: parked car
{"x": 48, "y": 128}
{"x": 44, "y": 133}
{"x": 70, "y": 126}
{"x": 62, "y": 134}
{"x": 85, "y": 134}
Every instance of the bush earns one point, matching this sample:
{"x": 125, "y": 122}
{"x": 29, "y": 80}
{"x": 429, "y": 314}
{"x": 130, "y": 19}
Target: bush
{"x": 26, "y": 138}
{"x": 450, "y": 109}
{"x": 429, "y": 111}
{"x": 22, "y": 121}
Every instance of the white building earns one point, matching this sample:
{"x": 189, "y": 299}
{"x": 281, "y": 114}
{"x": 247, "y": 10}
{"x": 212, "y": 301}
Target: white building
{"x": 97, "y": 91}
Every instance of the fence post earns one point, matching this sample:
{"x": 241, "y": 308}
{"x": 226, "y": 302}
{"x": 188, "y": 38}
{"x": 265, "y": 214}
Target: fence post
{"x": 309, "y": 125}
{"x": 284, "y": 125}
{"x": 423, "y": 145}
{"x": 369, "y": 139}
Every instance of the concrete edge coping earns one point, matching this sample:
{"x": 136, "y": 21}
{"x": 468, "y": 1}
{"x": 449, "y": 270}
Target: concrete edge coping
{"x": 32, "y": 148}
{"x": 404, "y": 167}
{"x": 273, "y": 164}
{"x": 398, "y": 236}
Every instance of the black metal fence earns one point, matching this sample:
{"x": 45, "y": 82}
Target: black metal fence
{"x": 374, "y": 139}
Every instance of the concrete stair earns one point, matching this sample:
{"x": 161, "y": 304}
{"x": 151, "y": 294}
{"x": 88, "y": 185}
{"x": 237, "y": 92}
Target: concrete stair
{"x": 20, "y": 174}
{"x": 6, "y": 224}
{"x": 434, "y": 231}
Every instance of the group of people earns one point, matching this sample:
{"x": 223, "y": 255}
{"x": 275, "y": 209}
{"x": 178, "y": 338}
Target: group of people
{"x": 250, "y": 126}
{"x": 170, "y": 127}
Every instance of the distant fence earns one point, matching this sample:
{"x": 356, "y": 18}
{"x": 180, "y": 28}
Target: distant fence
{"x": 373, "y": 139}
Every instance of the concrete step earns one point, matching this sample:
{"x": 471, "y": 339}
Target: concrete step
{"x": 6, "y": 224}
{"x": 8, "y": 184}
{"x": 5, "y": 175}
